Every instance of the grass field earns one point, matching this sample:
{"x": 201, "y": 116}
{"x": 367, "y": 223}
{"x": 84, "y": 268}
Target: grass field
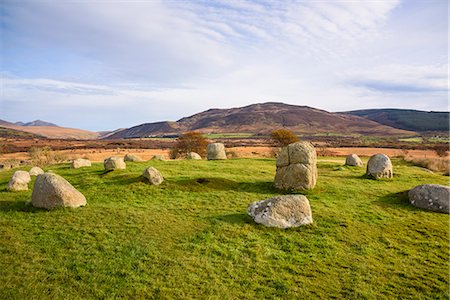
{"x": 191, "y": 238}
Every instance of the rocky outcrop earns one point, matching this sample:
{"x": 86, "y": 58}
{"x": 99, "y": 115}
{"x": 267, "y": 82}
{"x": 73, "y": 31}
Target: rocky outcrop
{"x": 51, "y": 191}
{"x": 433, "y": 197}
{"x": 282, "y": 211}
{"x": 296, "y": 167}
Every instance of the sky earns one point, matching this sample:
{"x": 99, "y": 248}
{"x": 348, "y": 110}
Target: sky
{"x": 103, "y": 65}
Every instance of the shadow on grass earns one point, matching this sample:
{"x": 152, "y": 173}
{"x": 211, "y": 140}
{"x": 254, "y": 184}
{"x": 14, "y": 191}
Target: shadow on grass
{"x": 21, "y": 206}
{"x": 237, "y": 218}
{"x": 396, "y": 200}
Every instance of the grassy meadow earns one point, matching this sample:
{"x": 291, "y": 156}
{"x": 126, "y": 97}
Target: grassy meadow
{"x": 191, "y": 237}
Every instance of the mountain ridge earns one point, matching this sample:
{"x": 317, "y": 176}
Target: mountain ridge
{"x": 262, "y": 118}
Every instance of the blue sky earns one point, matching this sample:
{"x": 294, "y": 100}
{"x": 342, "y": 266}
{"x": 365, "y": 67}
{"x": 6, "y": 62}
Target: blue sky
{"x": 102, "y": 65}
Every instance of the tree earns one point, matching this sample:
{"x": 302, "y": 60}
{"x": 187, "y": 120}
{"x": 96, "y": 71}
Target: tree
{"x": 283, "y": 137}
{"x": 189, "y": 142}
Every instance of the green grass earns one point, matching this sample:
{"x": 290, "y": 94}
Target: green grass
{"x": 412, "y": 140}
{"x": 185, "y": 239}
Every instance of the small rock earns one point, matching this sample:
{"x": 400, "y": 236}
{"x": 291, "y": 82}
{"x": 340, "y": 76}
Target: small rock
{"x": 153, "y": 175}
{"x": 36, "y": 171}
{"x": 132, "y": 157}
{"x": 193, "y": 155}
{"x": 158, "y": 157}
{"x": 353, "y": 160}
{"x": 19, "y": 181}
{"x": 114, "y": 163}
{"x": 80, "y": 162}
{"x": 282, "y": 211}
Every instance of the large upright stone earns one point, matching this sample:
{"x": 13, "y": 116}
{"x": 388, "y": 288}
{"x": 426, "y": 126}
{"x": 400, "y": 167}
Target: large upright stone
{"x": 282, "y": 211}
{"x": 80, "y": 162}
{"x": 433, "y": 197}
{"x": 114, "y": 163}
{"x": 19, "y": 181}
{"x": 35, "y": 171}
{"x": 297, "y": 167}
{"x": 379, "y": 166}
{"x": 216, "y": 151}
{"x": 153, "y": 175}
{"x": 51, "y": 191}
{"x": 353, "y": 160}
{"x": 193, "y": 155}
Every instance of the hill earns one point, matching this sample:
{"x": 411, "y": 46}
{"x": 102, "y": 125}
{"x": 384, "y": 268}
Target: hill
{"x": 12, "y": 133}
{"x": 263, "y": 118}
{"x": 55, "y": 132}
{"x": 407, "y": 119}
{"x": 36, "y": 123}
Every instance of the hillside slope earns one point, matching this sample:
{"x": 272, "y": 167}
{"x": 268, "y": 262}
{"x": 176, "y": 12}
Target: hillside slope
{"x": 414, "y": 120}
{"x": 263, "y": 118}
{"x": 56, "y": 132}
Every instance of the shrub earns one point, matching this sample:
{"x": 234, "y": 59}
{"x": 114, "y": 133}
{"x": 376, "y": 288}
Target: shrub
{"x": 434, "y": 164}
{"x": 283, "y": 137}
{"x": 45, "y": 156}
{"x": 189, "y": 142}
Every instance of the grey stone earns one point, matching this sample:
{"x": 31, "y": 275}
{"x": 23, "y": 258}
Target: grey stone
{"x": 51, "y": 191}
{"x": 19, "y": 181}
{"x": 132, "y": 157}
{"x": 153, "y": 175}
{"x": 114, "y": 163}
{"x": 36, "y": 171}
{"x": 193, "y": 155}
{"x": 80, "y": 162}
{"x": 282, "y": 211}
{"x": 216, "y": 151}
{"x": 432, "y": 197}
{"x": 379, "y": 166}
{"x": 353, "y": 160}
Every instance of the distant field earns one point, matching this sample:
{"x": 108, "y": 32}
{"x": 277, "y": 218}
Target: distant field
{"x": 186, "y": 239}
{"x": 228, "y": 135}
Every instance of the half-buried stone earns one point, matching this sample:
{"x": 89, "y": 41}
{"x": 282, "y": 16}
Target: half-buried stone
{"x": 433, "y": 197}
{"x": 35, "y": 171}
{"x": 296, "y": 167}
{"x": 282, "y": 211}
{"x": 81, "y": 162}
{"x": 132, "y": 157}
{"x": 153, "y": 176}
{"x": 353, "y": 160}
{"x": 19, "y": 181}
{"x": 114, "y": 163}
{"x": 193, "y": 155}
{"x": 379, "y": 166}
{"x": 51, "y": 191}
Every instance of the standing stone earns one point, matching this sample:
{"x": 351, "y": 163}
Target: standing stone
{"x": 80, "y": 162}
{"x": 379, "y": 166}
{"x": 114, "y": 163}
{"x": 35, "y": 171}
{"x": 153, "y": 175}
{"x": 132, "y": 157}
{"x": 433, "y": 197}
{"x": 282, "y": 211}
{"x": 51, "y": 191}
{"x": 297, "y": 167}
{"x": 353, "y": 160}
{"x": 216, "y": 151}
{"x": 19, "y": 181}
{"x": 193, "y": 155}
